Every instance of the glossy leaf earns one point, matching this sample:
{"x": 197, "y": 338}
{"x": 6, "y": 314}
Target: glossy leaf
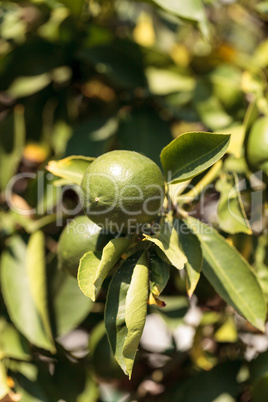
{"x": 36, "y": 271}
{"x": 71, "y": 168}
{"x": 230, "y": 274}
{"x": 94, "y": 267}
{"x": 168, "y": 243}
{"x": 128, "y": 293}
{"x": 159, "y": 274}
{"x": 192, "y": 153}
{"x": 231, "y": 212}
{"x": 192, "y": 249}
{"x": 18, "y": 297}
{"x": 136, "y": 309}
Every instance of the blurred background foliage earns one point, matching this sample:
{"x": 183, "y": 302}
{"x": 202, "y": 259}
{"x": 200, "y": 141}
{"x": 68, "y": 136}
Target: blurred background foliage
{"x": 86, "y": 77}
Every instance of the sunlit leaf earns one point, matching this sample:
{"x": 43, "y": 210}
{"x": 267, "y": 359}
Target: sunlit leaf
{"x": 18, "y": 297}
{"x": 71, "y": 168}
{"x": 87, "y": 272}
{"x": 12, "y": 138}
{"x": 192, "y": 249}
{"x": 168, "y": 243}
{"x": 110, "y": 255}
{"x": 230, "y": 274}
{"x": 192, "y": 153}
{"x": 94, "y": 267}
{"x": 115, "y": 309}
{"x": 36, "y": 271}
{"x": 135, "y": 311}
{"x": 126, "y": 308}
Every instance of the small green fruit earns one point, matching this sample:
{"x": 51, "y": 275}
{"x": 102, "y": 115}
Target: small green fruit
{"x": 257, "y": 146}
{"x": 122, "y": 190}
{"x": 79, "y": 236}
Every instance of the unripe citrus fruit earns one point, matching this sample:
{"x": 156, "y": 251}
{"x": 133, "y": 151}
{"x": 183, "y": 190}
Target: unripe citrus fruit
{"x": 121, "y": 190}
{"x": 79, "y": 236}
{"x": 257, "y": 145}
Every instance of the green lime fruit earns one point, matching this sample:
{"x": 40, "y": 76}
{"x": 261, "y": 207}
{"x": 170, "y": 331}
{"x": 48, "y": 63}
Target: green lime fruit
{"x": 122, "y": 190}
{"x": 79, "y": 236}
{"x": 257, "y": 146}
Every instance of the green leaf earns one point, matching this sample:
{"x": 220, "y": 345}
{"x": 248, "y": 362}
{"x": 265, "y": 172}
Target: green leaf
{"x": 159, "y": 274}
{"x": 192, "y": 10}
{"x": 110, "y": 255}
{"x": 168, "y": 243}
{"x": 71, "y": 168}
{"x": 12, "y": 138}
{"x": 12, "y": 343}
{"x": 136, "y": 309}
{"x": 192, "y": 249}
{"x": 36, "y": 271}
{"x": 94, "y": 267}
{"x": 231, "y": 212}
{"x": 192, "y": 153}
{"x": 87, "y": 270}
{"x": 115, "y": 309}
{"x": 125, "y": 310}
{"x": 70, "y": 305}
{"x": 16, "y": 290}
{"x": 230, "y": 274}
